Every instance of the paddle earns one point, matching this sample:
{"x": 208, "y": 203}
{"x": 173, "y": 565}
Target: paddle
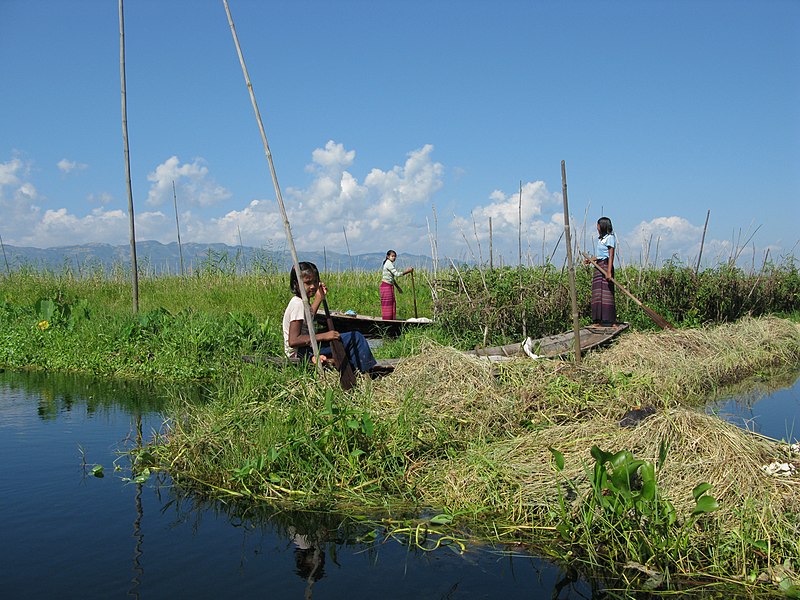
{"x": 346, "y": 376}
{"x": 414, "y": 293}
{"x": 659, "y": 320}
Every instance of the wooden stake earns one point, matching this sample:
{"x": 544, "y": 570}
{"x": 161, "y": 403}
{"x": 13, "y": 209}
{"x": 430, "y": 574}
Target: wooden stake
{"x": 8, "y": 269}
{"x": 177, "y": 225}
{"x": 702, "y": 242}
{"x": 576, "y": 324}
{"x": 287, "y": 228}
{"x": 134, "y": 265}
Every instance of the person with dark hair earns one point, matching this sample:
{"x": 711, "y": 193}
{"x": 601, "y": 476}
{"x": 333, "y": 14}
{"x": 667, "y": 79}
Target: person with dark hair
{"x": 604, "y": 307}
{"x": 296, "y": 338}
{"x": 388, "y": 283}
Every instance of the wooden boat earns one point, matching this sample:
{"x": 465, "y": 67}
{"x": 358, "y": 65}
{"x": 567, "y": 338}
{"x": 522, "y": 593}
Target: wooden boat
{"x": 370, "y": 326}
{"x": 553, "y": 346}
{"x": 384, "y": 366}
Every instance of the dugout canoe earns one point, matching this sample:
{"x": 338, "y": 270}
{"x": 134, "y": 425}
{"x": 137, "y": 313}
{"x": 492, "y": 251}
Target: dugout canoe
{"x": 384, "y": 366}
{"x": 371, "y": 327}
{"x": 553, "y": 346}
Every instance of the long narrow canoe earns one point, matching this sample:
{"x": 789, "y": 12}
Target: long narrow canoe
{"x": 553, "y": 346}
{"x": 384, "y": 365}
{"x": 371, "y": 326}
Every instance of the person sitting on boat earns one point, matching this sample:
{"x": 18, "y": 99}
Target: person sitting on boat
{"x": 296, "y": 338}
{"x": 388, "y": 283}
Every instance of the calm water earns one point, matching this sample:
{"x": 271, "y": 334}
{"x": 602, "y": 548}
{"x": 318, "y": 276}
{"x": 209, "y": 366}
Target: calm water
{"x": 68, "y": 534}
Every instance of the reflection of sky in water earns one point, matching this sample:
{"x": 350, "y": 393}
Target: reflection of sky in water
{"x": 775, "y": 414}
{"x": 67, "y": 534}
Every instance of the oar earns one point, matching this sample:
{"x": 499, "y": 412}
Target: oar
{"x": 659, "y": 320}
{"x": 346, "y": 376}
{"x": 414, "y": 293}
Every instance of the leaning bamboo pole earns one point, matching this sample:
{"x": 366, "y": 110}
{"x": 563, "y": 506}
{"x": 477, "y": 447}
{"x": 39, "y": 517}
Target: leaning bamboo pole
{"x": 702, "y": 242}
{"x": 5, "y": 258}
{"x": 287, "y": 228}
{"x": 134, "y": 265}
{"x": 177, "y": 225}
{"x": 576, "y": 324}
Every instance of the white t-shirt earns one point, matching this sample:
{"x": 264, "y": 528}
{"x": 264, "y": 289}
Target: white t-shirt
{"x": 294, "y": 312}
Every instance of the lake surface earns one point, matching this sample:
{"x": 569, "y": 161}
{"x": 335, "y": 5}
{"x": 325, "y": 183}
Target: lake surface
{"x": 69, "y": 534}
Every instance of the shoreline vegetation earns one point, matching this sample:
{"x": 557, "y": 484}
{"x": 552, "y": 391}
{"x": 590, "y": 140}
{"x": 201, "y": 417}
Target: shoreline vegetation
{"x": 611, "y": 465}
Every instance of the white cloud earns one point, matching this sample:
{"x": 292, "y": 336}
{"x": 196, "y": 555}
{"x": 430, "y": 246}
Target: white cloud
{"x": 193, "y": 185}
{"x": 375, "y": 212}
{"x": 67, "y": 166}
{"x": 504, "y": 211}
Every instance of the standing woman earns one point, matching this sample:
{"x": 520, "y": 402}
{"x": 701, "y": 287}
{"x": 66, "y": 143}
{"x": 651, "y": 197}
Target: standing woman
{"x": 388, "y": 283}
{"x": 604, "y": 307}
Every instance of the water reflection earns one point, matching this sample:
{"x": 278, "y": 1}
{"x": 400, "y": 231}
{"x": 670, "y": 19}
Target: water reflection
{"x": 201, "y": 548}
{"x": 768, "y": 405}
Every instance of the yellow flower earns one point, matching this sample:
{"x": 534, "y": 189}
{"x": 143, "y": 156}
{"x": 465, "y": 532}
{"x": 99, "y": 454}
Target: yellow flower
{"x": 43, "y": 325}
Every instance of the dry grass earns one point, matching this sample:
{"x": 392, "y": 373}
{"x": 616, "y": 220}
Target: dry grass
{"x": 687, "y": 363}
{"x": 508, "y": 415}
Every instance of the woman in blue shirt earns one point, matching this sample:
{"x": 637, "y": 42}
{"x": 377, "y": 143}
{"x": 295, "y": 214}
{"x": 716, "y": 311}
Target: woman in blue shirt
{"x": 604, "y": 307}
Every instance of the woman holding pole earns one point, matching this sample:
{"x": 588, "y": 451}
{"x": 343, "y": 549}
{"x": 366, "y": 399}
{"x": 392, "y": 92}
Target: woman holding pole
{"x": 604, "y": 307}
{"x": 389, "y": 283}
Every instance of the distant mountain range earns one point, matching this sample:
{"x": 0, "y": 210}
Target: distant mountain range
{"x": 164, "y": 259}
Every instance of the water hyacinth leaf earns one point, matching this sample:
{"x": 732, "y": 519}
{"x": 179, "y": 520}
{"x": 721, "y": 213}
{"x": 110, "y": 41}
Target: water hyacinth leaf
{"x": 663, "y": 448}
{"x": 441, "y": 519}
{"x": 700, "y": 489}
{"x": 620, "y": 458}
{"x": 367, "y": 425}
{"x": 558, "y": 458}
{"x": 648, "y": 490}
{"x": 705, "y": 504}
{"x": 45, "y": 308}
{"x": 328, "y": 403}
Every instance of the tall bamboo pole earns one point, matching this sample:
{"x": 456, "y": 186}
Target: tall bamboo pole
{"x": 519, "y": 262}
{"x": 5, "y": 258}
{"x": 347, "y": 244}
{"x": 491, "y": 242}
{"x": 177, "y": 225}
{"x": 702, "y": 242}
{"x": 576, "y": 325}
{"x": 134, "y": 265}
{"x": 287, "y": 228}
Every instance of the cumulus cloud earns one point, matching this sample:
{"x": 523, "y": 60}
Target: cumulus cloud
{"x": 541, "y": 221}
{"x": 335, "y": 202}
{"x": 67, "y": 166}
{"x": 193, "y": 184}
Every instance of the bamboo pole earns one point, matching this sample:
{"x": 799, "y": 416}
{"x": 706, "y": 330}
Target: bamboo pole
{"x": 702, "y": 242}
{"x": 134, "y": 265}
{"x": 287, "y": 228}
{"x": 347, "y": 245}
{"x": 5, "y": 258}
{"x": 576, "y": 324}
{"x": 491, "y": 247}
{"x": 177, "y": 225}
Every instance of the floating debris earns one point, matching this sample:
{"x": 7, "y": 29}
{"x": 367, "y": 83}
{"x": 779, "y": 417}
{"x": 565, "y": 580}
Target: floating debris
{"x": 779, "y": 469}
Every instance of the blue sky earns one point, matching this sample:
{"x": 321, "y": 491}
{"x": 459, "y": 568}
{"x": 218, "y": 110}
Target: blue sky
{"x": 400, "y": 123}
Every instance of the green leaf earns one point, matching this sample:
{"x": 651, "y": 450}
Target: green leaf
{"x": 441, "y": 519}
{"x": 700, "y": 490}
{"x": 367, "y": 425}
{"x": 97, "y": 471}
{"x": 705, "y": 504}
{"x": 559, "y": 459}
